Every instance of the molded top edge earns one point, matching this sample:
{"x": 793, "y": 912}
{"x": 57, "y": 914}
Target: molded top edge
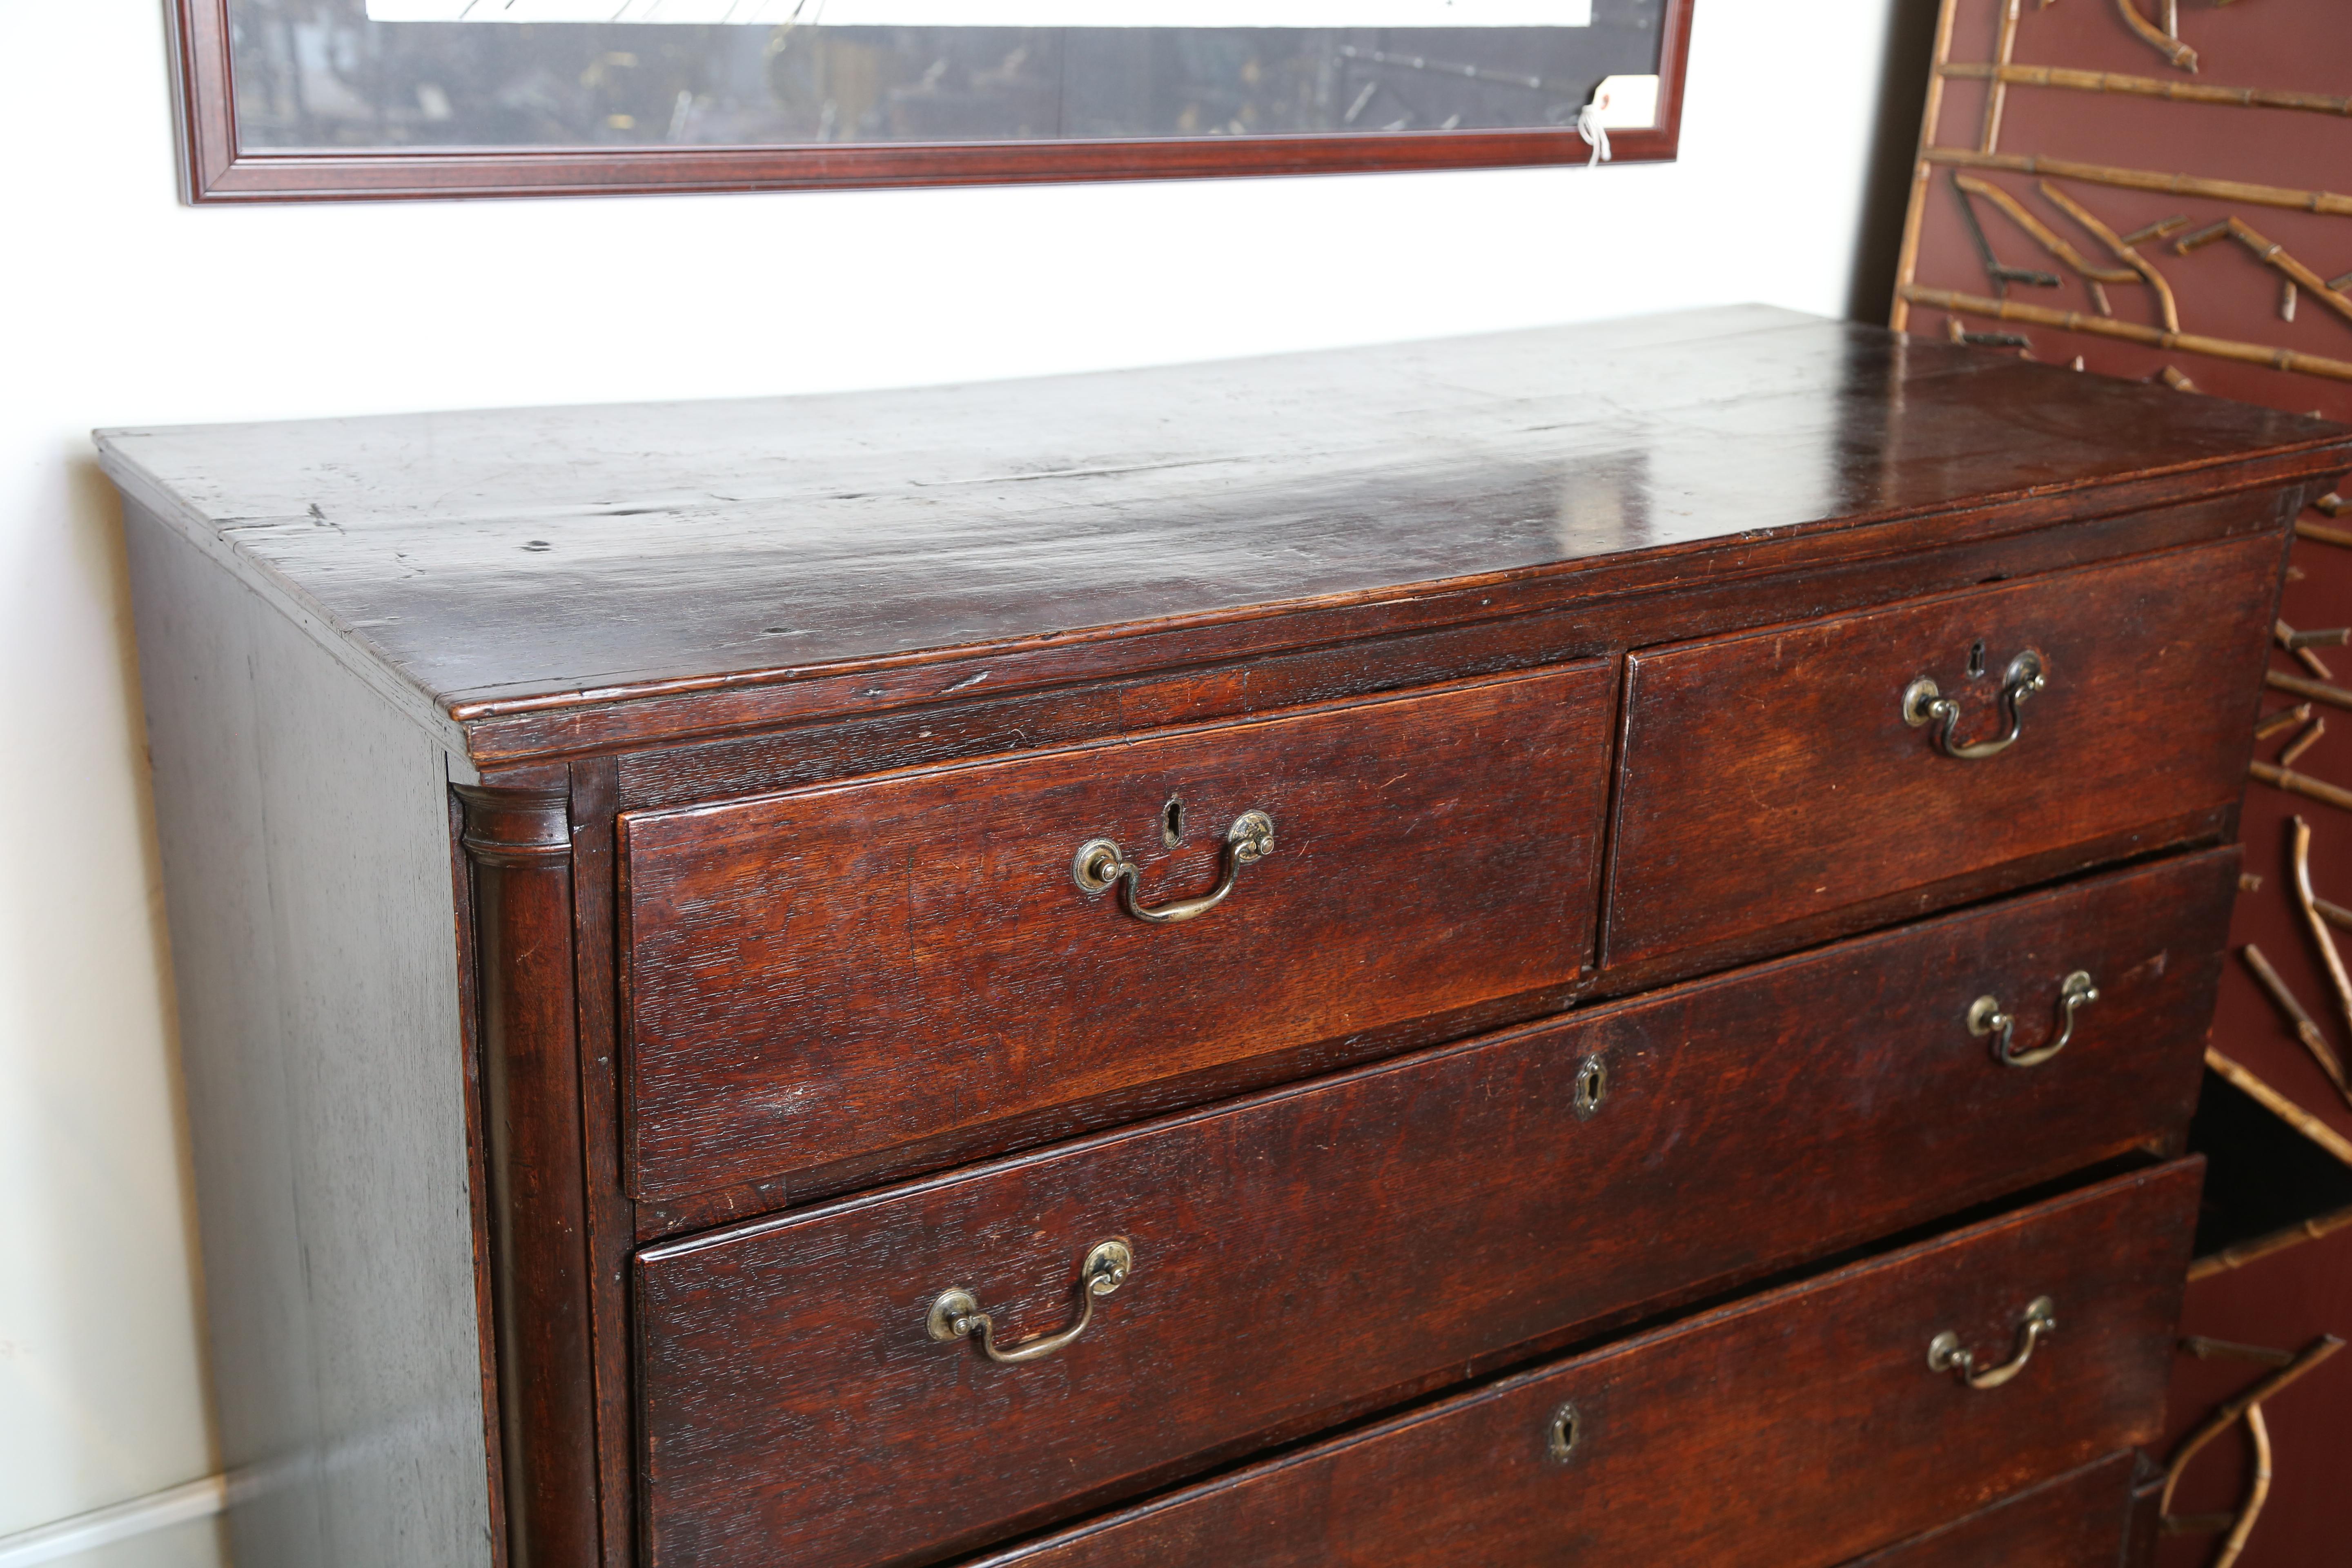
{"x": 510, "y": 561}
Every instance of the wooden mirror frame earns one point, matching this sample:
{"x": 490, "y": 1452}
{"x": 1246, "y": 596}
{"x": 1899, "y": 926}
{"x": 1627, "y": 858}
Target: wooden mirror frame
{"x": 213, "y": 170}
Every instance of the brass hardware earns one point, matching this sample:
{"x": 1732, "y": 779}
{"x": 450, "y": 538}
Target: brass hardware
{"x": 1945, "y": 1354}
{"x": 1591, "y": 1086}
{"x": 1986, "y": 1017}
{"x": 956, "y": 1314}
{"x": 1172, "y": 823}
{"x": 1100, "y": 862}
{"x": 1560, "y": 1439}
{"x": 1923, "y": 704}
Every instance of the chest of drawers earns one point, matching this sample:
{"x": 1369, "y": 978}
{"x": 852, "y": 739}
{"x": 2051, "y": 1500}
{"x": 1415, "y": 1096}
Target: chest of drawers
{"x": 1589, "y": 940}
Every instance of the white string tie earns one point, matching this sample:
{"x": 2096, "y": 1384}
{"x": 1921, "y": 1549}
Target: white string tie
{"x": 1595, "y": 134}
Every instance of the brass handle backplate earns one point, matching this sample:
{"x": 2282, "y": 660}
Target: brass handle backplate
{"x": 1924, "y": 705}
{"x": 1945, "y": 1354}
{"x": 1987, "y": 1016}
{"x": 1100, "y": 862}
{"x": 956, "y": 1313}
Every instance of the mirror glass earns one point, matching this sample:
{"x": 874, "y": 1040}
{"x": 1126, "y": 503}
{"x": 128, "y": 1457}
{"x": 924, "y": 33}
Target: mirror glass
{"x": 324, "y": 75}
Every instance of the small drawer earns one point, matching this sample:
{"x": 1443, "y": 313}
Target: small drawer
{"x": 2081, "y": 1519}
{"x": 822, "y": 974}
{"x": 1795, "y": 1429}
{"x": 1333, "y": 1246}
{"x": 1775, "y": 793}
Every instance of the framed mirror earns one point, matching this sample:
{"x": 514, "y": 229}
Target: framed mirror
{"x": 310, "y": 99}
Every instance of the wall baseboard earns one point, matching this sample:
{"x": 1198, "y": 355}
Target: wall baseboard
{"x": 121, "y": 1521}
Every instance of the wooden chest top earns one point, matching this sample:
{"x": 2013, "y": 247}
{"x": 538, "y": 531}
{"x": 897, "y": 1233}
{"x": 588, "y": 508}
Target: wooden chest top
{"x": 526, "y": 565}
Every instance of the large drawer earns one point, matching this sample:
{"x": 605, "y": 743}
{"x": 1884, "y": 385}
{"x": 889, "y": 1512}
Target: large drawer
{"x": 1774, "y": 793}
{"x": 2081, "y": 1519}
{"x": 824, "y": 973}
{"x": 1791, "y": 1430}
{"x": 1336, "y": 1245}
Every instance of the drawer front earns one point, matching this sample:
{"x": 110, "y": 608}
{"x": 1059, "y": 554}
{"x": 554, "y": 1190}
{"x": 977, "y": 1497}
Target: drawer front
{"x": 2079, "y": 1521}
{"x": 1773, "y": 792}
{"x": 826, "y": 973}
{"x": 1797, "y": 1428}
{"x": 1338, "y": 1244}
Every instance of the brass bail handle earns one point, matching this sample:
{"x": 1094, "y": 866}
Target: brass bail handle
{"x": 956, "y": 1313}
{"x": 1923, "y": 704}
{"x": 1100, "y": 862}
{"x": 1987, "y": 1016}
{"x": 1945, "y": 1354}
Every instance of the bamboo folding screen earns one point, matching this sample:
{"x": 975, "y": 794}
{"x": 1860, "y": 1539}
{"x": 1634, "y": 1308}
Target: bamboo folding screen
{"x": 2157, "y": 189}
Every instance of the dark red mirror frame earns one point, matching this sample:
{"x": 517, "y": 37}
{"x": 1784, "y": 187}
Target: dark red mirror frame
{"x": 211, "y": 169}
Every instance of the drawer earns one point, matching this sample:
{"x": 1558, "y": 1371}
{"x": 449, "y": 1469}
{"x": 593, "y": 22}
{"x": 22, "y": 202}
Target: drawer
{"x": 825, "y": 973}
{"x": 2079, "y": 1521}
{"x": 1773, "y": 792}
{"x": 1330, "y": 1247}
{"x": 1797, "y": 1428}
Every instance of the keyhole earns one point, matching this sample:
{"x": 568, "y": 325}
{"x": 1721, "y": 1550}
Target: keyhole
{"x": 1561, "y": 1441}
{"x": 1591, "y": 1086}
{"x": 1172, "y": 823}
{"x": 1975, "y": 660}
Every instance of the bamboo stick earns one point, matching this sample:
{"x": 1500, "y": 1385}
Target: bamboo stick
{"x": 2175, "y": 380}
{"x": 2226, "y": 1416}
{"x": 2148, "y": 86}
{"x": 2280, "y": 1106}
{"x": 2271, "y": 254}
{"x": 2320, "y": 637}
{"x": 2292, "y": 641}
{"x": 2303, "y": 785}
{"x": 2335, "y": 915}
{"x": 2205, "y": 1348}
{"x": 2285, "y": 718}
{"x": 1906, "y": 260}
{"x": 2320, "y": 533}
{"x": 2159, "y": 230}
{"x": 2076, "y": 322}
{"x": 1997, "y": 96}
{"x": 2262, "y": 1247}
{"x": 2155, "y": 38}
{"x": 2258, "y": 1491}
{"x": 2305, "y": 1030}
{"x": 2301, "y": 743}
{"x": 2317, "y": 690}
{"x": 2325, "y": 939}
{"x": 2331, "y": 503}
{"x": 2042, "y": 232}
{"x": 2145, "y": 180}
{"x": 2123, "y": 249}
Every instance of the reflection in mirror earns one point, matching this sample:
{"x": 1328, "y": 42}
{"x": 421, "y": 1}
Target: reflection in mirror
{"x": 486, "y": 74}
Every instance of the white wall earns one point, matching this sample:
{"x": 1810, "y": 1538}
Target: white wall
{"x": 120, "y": 306}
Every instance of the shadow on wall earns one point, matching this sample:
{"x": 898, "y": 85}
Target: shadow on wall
{"x": 1894, "y": 145}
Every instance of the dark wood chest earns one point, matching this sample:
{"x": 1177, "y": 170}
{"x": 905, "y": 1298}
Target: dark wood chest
{"x": 1590, "y": 943}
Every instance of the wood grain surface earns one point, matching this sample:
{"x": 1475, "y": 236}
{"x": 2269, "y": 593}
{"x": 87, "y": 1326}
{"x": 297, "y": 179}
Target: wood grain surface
{"x": 1770, "y": 779}
{"x": 520, "y": 844}
{"x": 1791, "y": 1430}
{"x": 833, "y": 972}
{"x": 307, "y": 876}
{"x": 670, "y": 569}
{"x": 1340, "y": 1244}
{"x": 2077, "y": 1520}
